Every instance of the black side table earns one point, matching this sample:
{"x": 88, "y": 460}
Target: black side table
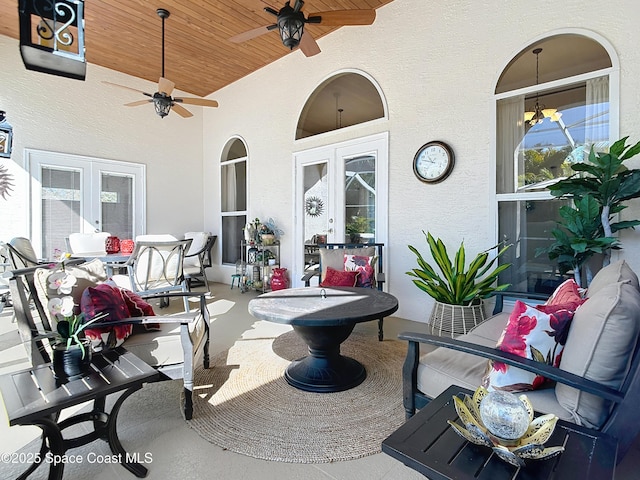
{"x": 32, "y": 397}
{"x": 428, "y": 444}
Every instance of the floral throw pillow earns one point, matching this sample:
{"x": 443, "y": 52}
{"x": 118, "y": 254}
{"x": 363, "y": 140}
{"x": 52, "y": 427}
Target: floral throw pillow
{"x": 537, "y": 333}
{"x": 336, "y": 278}
{"x": 364, "y": 265}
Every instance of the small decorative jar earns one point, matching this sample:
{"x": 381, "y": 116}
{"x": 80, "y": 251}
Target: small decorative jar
{"x": 252, "y": 255}
{"x": 126, "y": 246}
{"x": 279, "y": 280}
{"x": 267, "y": 238}
{"x": 112, "y": 244}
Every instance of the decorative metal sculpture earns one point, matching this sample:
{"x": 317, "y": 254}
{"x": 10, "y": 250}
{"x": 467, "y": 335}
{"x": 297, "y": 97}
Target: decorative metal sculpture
{"x": 530, "y": 445}
{"x": 314, "y": 206}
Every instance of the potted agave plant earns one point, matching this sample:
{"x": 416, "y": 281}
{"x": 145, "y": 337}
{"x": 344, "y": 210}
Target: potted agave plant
{"x": 459, "y": 291}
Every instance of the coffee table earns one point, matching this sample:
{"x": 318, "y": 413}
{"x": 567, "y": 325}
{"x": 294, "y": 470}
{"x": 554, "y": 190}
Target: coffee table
{"x": 34, "y": 397}
{"x": 324, "y": 318}
{"x": 428, "y": 444}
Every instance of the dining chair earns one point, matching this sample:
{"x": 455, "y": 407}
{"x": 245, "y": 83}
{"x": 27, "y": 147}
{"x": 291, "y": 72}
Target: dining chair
{"x": 340, "y": 258}
{"x": 21, "y": 254}
{"x": 87, "y": 242}
{"x": 198, "y": 258}
{"x": 156, "y": 267}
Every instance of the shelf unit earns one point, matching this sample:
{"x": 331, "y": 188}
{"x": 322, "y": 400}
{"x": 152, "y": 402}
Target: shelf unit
{"x": 255, "y": 268}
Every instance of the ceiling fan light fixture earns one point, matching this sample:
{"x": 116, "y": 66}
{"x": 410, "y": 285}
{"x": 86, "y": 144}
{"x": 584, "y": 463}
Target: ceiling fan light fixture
{"x": 291, "y": 27}
{"x": 162, "y": 104}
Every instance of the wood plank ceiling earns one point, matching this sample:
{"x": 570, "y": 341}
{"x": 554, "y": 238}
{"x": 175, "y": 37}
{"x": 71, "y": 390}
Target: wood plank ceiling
{"x": 126, "y": 36}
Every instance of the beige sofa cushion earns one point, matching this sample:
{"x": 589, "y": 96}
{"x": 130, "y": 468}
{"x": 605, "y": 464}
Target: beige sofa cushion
{"x": 444, "y": 367}
{"x": 613, "y": 273}
{"x": 87, "y": 274}
{"x": 334, "y": 257}
{"x": 164, "y": 347}
{"x": 602, "y": 337}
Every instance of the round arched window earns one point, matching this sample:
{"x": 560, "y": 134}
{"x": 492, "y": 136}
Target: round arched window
{"x": 341, "y": 101}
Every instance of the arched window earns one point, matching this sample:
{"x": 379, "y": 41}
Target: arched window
{"x": 233, "y": 198}
{"x": 343, "y": 100}
{"x": 553, "y": 103}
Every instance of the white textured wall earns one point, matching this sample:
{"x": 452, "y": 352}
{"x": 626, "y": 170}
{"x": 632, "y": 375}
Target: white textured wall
{"x": 88, "y": 118}
{"x": 437, "y": 63}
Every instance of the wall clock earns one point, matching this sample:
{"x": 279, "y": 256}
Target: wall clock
{"x": 433, "y": 162}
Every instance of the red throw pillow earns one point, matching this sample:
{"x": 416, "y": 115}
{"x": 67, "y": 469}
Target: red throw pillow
{"x": 567, "y": 293}
{"x": 364, "y": 265}
{"x": 139, "y": 308}
{"x": 337, "y": 278}
{"x": 538, "y": 333}
{"x": 103, "y": 299}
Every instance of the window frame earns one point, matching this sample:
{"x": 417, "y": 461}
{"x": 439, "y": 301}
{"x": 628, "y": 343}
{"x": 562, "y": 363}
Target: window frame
{"x": 614, "y": 106}
{"x": 234, "y": 213}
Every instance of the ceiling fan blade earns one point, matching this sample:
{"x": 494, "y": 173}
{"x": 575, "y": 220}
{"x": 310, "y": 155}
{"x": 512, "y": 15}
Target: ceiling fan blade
{"x": 165, "y": 86}
{"x": 346, "y": 17}
{"x": 256, "y": 32}
{"x": 128, "y": 88}
{"x": 180, "y": 110}
{"x": 197, "y": 101}
{"x": 308, "y": 45}
{"x": 139, "y": 102}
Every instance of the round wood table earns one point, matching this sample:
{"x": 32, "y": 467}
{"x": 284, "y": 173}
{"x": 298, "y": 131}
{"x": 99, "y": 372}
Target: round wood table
{"x": 324, "y": 318}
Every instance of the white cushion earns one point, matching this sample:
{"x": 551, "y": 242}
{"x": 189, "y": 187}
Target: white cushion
{"x": 164, "y": 347}
{"x": 198, "y": 241}
{"x": 88, "y": 242}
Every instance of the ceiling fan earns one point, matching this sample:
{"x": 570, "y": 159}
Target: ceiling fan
{"x": 290, "y": 23}
{"x": 162, "y": 99}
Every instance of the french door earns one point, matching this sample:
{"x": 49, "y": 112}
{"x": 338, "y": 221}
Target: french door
{"x": 71, "y": 193}
{"x": 341, "y": 197}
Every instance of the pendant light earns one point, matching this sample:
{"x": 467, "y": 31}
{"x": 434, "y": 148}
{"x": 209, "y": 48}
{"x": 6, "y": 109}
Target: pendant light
{"x": 539, "y": 112}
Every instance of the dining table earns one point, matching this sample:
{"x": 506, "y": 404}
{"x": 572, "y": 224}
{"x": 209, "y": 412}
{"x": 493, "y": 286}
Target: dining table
{"x": 324, "y": 318}
{"x": 112, "y": 261}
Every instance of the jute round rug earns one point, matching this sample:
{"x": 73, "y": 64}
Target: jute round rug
{"x": 243, "y": 403}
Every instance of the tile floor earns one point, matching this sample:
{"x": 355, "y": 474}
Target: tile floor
{"x": 151, "y": 424}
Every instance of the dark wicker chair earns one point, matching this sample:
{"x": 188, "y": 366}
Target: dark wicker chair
{"x": 606, "y": 383}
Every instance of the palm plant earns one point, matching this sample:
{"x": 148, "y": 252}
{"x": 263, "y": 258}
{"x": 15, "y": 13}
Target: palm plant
{"x": 597, "y": 189}
{"x": 455, "y": 285}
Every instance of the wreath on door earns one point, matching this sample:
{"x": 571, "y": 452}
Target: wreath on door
{"x": 314, "y": 206}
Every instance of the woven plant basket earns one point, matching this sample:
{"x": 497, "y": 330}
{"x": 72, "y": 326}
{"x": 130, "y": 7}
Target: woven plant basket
{"x": 454, "y": 320}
